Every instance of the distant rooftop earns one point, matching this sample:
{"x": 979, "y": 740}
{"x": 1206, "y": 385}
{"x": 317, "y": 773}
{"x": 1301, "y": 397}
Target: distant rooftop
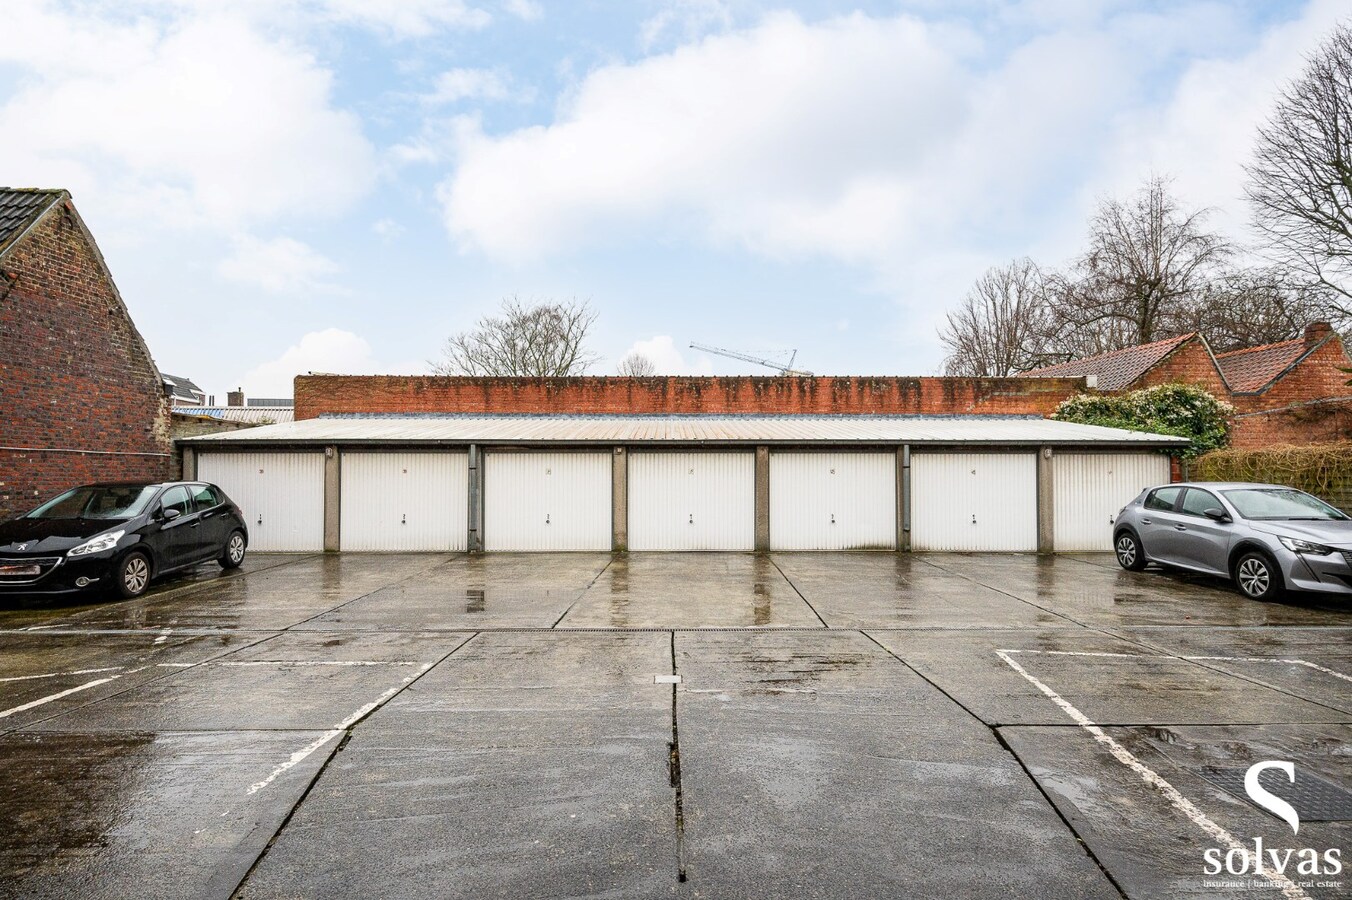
{"x": 1118, "y": 368}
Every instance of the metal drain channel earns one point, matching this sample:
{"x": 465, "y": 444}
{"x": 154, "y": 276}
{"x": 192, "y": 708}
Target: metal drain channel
{"x": 1314, "y": 798}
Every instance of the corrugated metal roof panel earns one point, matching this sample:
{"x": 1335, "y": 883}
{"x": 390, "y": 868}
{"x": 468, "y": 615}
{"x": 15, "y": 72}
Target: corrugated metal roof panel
{"x": 268, "y": 415}
{"x": 712, "y": 429}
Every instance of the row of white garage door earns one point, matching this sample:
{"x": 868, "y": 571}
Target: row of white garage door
{"x": 818, "y": 500}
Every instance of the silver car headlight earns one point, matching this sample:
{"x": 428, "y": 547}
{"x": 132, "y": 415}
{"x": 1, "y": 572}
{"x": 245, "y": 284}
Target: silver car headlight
{"x": 1296, "y": 545}
{"x": 99, "y": 544}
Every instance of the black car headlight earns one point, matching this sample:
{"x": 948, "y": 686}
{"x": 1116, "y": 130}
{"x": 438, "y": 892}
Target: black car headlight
{"x": 1296, "y": 545}
{"x": 98, "y": 544}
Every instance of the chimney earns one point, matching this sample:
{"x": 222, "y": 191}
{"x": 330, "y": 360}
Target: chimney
{"x": 211, "y": 400}
{"x": 234, "y": 398}
{"x": 1316, "y": 332}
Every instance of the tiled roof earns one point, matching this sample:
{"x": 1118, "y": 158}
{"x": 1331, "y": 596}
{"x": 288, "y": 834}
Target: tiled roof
{"x": 183, "y": 387}
{"x": 1116, "y": 369}
{"x": 19, "y": 207}
{"x": 1254, "y": 368}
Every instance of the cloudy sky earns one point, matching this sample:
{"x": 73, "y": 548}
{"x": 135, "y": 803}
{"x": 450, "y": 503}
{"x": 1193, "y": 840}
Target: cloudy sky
{"x": 336, "y": 185}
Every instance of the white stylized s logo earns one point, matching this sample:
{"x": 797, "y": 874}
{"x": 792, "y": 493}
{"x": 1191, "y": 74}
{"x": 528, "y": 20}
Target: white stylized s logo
{"x": 1269, "y": 801}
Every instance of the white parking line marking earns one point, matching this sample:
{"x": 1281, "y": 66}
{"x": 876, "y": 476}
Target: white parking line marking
{"x": 1291, "y": 662}
{"x": 57, "y": 696}
{"x": 299, "y": 756}
{"x": 319, "y": 662}
{"x": 61, "y": 674}
{"x": 1290, "y": 889}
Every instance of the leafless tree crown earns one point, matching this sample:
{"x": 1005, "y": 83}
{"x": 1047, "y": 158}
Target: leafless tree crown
{"x": 1300, "y": 182}
{"x": 1147, "y": 262}
{"x": 1001, "y": 325}
{"x": 545, "y": 340}
{"x": 636, "y": 365}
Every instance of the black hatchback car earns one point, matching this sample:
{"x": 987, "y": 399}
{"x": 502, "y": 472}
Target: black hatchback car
{"x": 119, "y": 537}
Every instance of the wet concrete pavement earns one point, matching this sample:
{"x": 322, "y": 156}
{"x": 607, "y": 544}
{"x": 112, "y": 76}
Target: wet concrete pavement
{"x": 844, "y": 725}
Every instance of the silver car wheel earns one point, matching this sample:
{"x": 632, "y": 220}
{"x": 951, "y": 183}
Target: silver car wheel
{"x": 135, "y": 574}
{"x": 235, "y": 549}
{"x": 1254, "y": 577}
{"x": 1126, "y": 550}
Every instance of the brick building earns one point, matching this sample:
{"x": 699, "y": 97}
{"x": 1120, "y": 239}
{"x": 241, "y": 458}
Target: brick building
{"x": 1290, "y": 392}
{"x": 80, "y": 396}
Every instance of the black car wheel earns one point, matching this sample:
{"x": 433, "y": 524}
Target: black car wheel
{"x": 1257, "y": 576}
{"x": 233, "y": 554}
{"x": 133, "y": 575}
{"x": 1128, "y": 550}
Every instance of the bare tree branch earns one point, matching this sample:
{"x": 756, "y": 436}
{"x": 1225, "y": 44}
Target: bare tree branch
{"x": 636, "y": 365}
{"x": 1001, "y": 324}
{"x": 1300, "y": 182}
{"x": 546, "y": 340}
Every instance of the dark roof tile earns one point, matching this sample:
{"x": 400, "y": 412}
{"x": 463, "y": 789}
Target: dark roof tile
{"x": 19, "y": 208}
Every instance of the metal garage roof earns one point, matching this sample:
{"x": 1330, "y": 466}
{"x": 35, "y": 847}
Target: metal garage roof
{"x": 684, "y": 429}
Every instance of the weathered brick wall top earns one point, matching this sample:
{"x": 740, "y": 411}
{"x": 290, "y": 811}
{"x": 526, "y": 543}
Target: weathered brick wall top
{"x": 74, "y": 372}
{"x": 320, "y": 394}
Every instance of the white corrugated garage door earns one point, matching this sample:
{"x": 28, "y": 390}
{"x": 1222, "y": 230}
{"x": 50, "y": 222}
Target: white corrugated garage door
{"x": 833, "y": 501}
{"x": 1089, "y": 489}
{"x": 974, "y": 501}
{"x": 692, "y": 501}
{"x": 405, "y": 501}
{"x": 282, "y": 495}
{"x": 547, "y": 501}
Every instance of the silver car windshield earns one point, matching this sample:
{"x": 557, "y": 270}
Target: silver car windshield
{"x": 1279, "y": 503}
{"x": 108, "y": 502}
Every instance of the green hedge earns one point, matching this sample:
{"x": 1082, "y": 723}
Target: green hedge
{"x": 1176, "y": 409}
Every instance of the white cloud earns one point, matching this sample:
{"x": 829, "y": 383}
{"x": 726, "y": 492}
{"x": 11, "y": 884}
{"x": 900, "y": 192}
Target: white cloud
{"x": 1205, "y": 132}
{"x": 281, "y": 265}
{"x": 214, "y": 123}
{"x": 922, "y": 153}
{"x": 667, "y": 358}
{"x": 685, "y": 20}
{"x": 788, "y": 137}
{"x": 406, "y": 18}
{"x": 525, "y": 10}
{"x": 469, "y": 84}
{"x": 387, "y": 229}
{"x": 332, "y": 350}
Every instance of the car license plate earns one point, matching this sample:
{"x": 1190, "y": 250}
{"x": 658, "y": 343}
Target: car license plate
{"x": 19, "y": 571}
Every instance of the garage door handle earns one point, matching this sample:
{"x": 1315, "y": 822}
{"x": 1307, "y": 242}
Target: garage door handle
{"x": 546, "y": 518}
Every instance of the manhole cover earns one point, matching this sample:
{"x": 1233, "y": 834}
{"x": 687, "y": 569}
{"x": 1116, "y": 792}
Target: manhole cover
{"x": 1315, "y": 799}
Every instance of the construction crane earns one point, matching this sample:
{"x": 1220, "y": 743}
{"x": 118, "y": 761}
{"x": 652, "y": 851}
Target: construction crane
{"x": 746, "y": 357}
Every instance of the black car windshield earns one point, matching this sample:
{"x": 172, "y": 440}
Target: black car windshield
{"x": 106, "y": 502}
{"x": 1279, "y": 503}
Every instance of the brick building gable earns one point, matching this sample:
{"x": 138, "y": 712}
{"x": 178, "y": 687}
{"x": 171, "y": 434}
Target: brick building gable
{"x": 83, "y": 400}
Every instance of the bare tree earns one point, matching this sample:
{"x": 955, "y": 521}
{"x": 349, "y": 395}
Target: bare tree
{"x": 1002, "y": 324}
{"x": 1300, "y": 183}
{"x": 1147, "y": 262}
{"x": 636, "y": 365}
{"x": 1250, "y": 307}
{"x": 546, "y": 340}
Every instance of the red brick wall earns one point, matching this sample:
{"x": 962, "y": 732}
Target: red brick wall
{"x": 1189, "y": 364}
{"x": 319, "y": 394}
{"x": 1286, "y": 412}
{"x": 74, "y": 373}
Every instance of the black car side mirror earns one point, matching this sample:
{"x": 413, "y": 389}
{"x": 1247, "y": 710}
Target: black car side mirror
{"x": 170, "y": 514}
{"x": 1217, "y": 514}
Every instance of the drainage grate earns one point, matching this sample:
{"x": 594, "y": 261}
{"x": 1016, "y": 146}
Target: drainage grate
{"x": 1315, "y": 799}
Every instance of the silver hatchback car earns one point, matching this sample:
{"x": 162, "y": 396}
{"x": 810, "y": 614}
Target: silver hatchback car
{"x": 1266, "y": 537}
